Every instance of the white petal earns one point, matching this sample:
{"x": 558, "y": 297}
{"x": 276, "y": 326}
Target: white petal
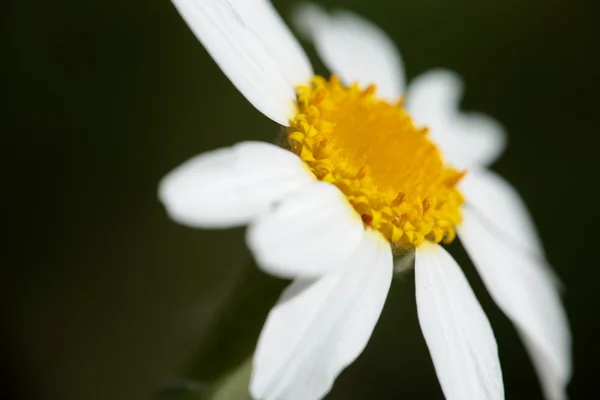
{"x": 502, "y": 209}
{"x": 232, "y": 186}
{"x": 319, "y": 327}
{"x": 434, "y": 94}
{"x": 466, "y": 139}
{"x": 255, "y": 68}
{"x": 264, "y": 21}
{"x": 309, "y": 234}
{"x": 553, "y": 387}
{"x": 306, "y": 18}
{"x": 457, "y": 332}
{"x": 354, "y": 48}
{"x": 525, "y": 290}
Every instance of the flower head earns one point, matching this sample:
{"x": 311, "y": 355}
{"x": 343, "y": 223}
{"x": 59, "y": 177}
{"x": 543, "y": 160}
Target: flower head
{"x": 388, "y": 169}
{"x": 369, "y": 167}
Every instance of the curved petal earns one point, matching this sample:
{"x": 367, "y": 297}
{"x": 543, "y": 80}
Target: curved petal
{"x": 233, "y": 185}
{"x": 525, "y": 289}
{"x": 309, "y": 234}
{"x": 354, "y": 48}
{"x": 502, "y": 209}
{"x": 457, "y": 332}
{"x": 466, "y": 139}
{"x": 318, "y": 327}
{"x": 235, "y": 36}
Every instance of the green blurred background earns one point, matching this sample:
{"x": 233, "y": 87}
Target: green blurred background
{"x": 103, "y": 297}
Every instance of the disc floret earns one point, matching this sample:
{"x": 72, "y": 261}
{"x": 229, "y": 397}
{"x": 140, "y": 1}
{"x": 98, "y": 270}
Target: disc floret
{"x": 392, "y": 174}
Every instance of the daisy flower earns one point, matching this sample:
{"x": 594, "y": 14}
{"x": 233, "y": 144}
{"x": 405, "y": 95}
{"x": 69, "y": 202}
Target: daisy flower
{"x": 371, "y": 169}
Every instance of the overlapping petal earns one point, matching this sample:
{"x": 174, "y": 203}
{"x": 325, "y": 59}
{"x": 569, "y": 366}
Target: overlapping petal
{"x": 308, "y": 234}
{"x": 264, "y": 21}
{"x": 499, "y": 206}
{"x": 457, "y": 332}
{"x": 253, "y": 48}
{"x": 354, "y": 48}
{"x": 232, "y": 186}
{"x": 319, "y": 327}
{"x": 525, "y": 289}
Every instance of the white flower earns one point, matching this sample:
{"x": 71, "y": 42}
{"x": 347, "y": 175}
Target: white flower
{"x": 360, "y": 181}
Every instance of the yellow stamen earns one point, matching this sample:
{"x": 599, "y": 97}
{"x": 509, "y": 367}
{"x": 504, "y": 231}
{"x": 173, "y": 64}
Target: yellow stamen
{"x": 390, "y": 171}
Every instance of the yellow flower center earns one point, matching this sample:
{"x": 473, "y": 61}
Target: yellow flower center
{"x": 390, "y": 171}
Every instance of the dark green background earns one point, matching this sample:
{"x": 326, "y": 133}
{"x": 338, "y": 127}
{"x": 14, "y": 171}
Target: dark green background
{"x": 103, "y": 297}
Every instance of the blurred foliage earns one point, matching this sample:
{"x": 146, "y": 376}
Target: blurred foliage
{"x": 103, "y": 297}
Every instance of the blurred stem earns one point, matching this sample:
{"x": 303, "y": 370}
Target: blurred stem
{"x": 221, "y": 366}
{"x": 235, "y": 385}
{"x": 231, "y": 338}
